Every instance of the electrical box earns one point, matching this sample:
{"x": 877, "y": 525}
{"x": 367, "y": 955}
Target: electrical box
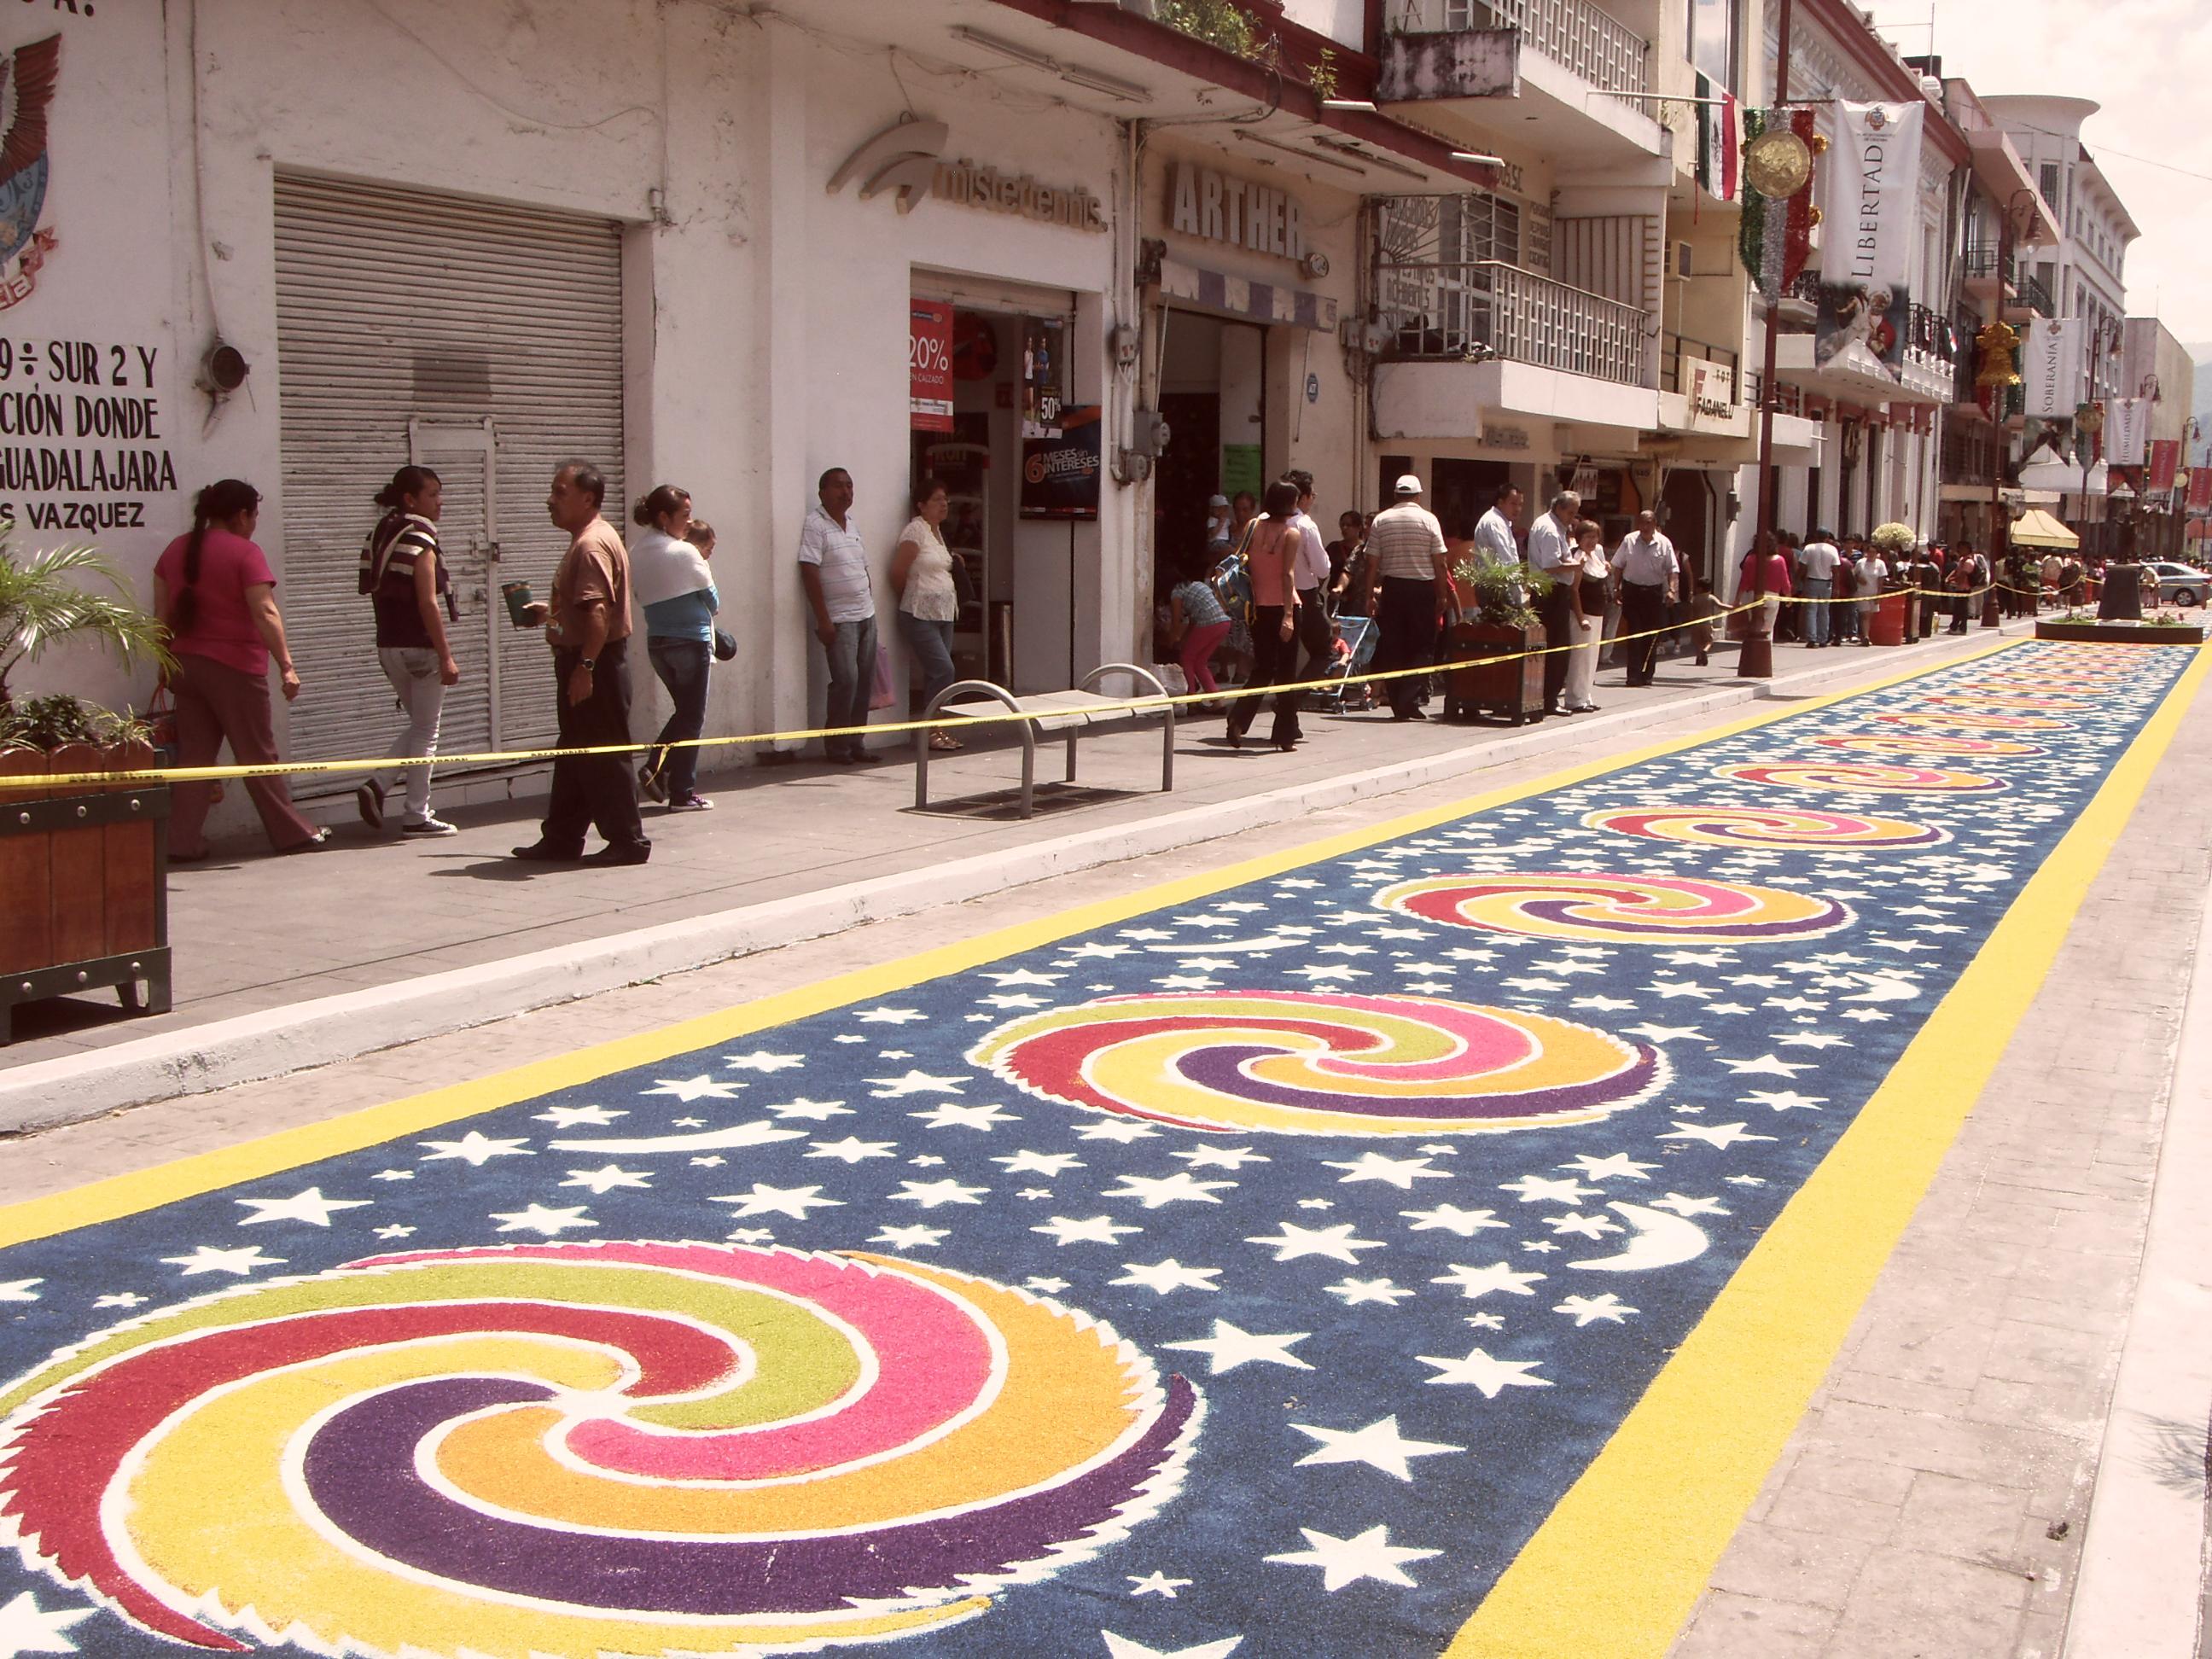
{"x": 1149, "y": 433}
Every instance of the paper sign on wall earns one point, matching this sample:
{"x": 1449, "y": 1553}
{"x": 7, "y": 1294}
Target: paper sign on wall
{"x": 929, "y": 366}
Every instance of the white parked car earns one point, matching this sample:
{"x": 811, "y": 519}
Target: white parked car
{"x": 2178, "y": 584}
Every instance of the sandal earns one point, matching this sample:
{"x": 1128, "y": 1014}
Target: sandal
{"x": 945, "y": 743}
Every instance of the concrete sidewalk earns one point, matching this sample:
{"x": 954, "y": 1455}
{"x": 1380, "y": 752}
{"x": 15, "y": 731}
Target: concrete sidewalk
{"x": 375, "y": 941}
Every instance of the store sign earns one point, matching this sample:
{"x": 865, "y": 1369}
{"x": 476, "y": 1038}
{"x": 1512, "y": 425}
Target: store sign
{"x": 1712, "y": 393}
{"x": 1216, "y": 208}
{"x": 1060, "y": 475}
{"x": 929, "y": 367}
{"x": 908, "y": 157}
{"x": 1503, "y": 437}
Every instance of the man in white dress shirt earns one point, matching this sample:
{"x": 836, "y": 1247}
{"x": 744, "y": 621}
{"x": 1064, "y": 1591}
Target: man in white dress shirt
{"x": 1309, "y": 573}
{"x": 1819, "y": 559}
{"x": 1495, "y": 542}
{"x": 1651, "y": 574}
{"x": 1552, "y": 549}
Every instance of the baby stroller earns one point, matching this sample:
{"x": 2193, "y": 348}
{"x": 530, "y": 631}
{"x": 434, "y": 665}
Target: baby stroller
{"x": 1358, "y": 635}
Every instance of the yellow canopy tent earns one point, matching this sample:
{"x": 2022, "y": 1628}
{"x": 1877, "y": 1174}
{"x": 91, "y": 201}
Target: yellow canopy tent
{"x": 2036, "y": 528}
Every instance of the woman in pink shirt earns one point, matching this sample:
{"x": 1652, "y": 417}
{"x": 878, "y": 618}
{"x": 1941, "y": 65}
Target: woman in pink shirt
{"x": 213, "y": 592}
{"x": 1270, "y": 557}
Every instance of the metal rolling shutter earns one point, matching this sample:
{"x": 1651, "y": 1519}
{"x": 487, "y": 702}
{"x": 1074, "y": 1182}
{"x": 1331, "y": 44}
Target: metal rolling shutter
{"x": 398, "y": 305}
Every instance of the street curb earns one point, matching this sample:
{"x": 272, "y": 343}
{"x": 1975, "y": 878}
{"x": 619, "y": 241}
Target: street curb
{"x": 2140, "y": 1586}
{"x": 325, "y": 1031}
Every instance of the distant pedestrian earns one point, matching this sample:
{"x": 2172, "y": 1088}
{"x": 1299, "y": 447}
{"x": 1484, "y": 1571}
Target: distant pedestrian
{"x": 1819, "y": 560}
{"x": 1197, "y": 623}
{"x": 1704, "y": 612}
{"x": 677, "y": 592}
{"x": 1552, "y": 551}
{"x": 1310, "y": 571}
{"x": 1588, "y": 619}
{"x": 833, "y": 566}
{"x": 1216, "y": 521}
{"x": 213, "y": 592}
{"x": 928, "y": 599}
{"x": 1650, "y": 575}
{"x": 1351, "y": 534}
{"x": 1410, "y": 583}
{"x": 1769, "y": 572}
{"x": 1270, "y": 555}
{"x": 587, "y": 621}
{"x": 1924, "y": 576}
{"x": 1871, "y": 575}
{"x": 404, "y": 577}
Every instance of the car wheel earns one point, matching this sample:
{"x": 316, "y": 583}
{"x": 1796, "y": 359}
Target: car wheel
{"x": 2184, "y": 596}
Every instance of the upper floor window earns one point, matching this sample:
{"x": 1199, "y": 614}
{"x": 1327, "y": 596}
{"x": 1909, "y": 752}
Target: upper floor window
{"x": 1715, "y": 28}
{"x": 2051, "y": 185}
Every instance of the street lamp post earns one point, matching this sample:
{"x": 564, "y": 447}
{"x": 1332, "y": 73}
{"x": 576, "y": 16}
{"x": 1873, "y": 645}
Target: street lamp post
{"x": 1755, "y": 659}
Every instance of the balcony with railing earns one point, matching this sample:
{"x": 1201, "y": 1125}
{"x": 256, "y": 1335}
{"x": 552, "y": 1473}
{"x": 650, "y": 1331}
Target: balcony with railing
{"x": 1476, "y": 311}
{"x": 1574, "y": 34}
{"x": 1678, "y": 358}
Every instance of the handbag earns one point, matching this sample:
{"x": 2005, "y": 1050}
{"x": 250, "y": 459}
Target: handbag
{"x": 725, "y": 645}
{"x": 882, "y": 693}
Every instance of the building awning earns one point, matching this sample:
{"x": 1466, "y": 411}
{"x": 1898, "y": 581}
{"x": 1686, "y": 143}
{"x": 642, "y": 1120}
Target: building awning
{"x": 2039, "y": 529}
{"x": 1241, "y": 296}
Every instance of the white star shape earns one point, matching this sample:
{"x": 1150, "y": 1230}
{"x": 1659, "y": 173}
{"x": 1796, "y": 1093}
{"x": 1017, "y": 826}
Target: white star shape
{"x": 931, "y": 1193}
{"x": 1182, "y": 1187}
{"x": 1688, "y": 1206}
{"x": 1784, "y": 1100}
{"x": 395, "y": 1232}
{"x": 1012, "y": 999}
{"x": 1335, "y": 1242}
{"x": 1480, "y": 1370}
{"x": 689, "y": 1089}
{"x": 1117, "y": 1129}
{"x": 546, "y": 1224}
{"x": 852, "y": 1149}
{"x": 764, "y": 1200}
{"x": 20, "y": 1290}
{"x": 1599, "y": 1168}
{"x": 1155, "y": 1583}
{"x": 1222, "y": 1158}
{"x": 1347, "y": 1560}
{"x": 476, "y": 1149}
{"x": 1024, "y": 976}
{"x": 606, "y": 1178}
{"x": 818, "y": 1111}
{"x": 568, "y": 1117}
{"x": 1651, "y": 1033}
{"x": 1399, "y": 1172}
{"x": 1713, "y": 1134}
{"x": 1475, "y": 1283}
{"x": 760, "y": 1060}
{"x": 1547, "y": 1189}
{"x": 393, "y": 1175}
{"x": 1047, "y": 1285}
{"x": 1580, "y": 1226}
{"x": 952, "y": 1115}
{"x": 1230, "y": 1347}
{"x": 917, "y": 1237}
{"x": 1768, "y": 1066}
{"x": 1064, "y": 1231}
{"x": 1162, "y": 1277}
{"x": 1379, "y": 1445}
{"x": 1185, "y": 983}
{"x": 1449, "y": 1218}
{"x": 1120, "y": 1647}
{"x": 890, "y": 1017}
{"x": 1354, "y": 1291}
{"x": 117, "y": 1299}
{"x": 915, "y": 1083}
{"x": 1813, "y": 1040}
{"x": 208, "y": 1259}
{"x": 1585, "y": 1309}
{"x": 27, "y": 1628}
{"x": 1044, "y": 1164}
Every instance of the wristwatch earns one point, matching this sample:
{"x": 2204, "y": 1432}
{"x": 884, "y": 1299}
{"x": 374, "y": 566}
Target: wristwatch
{"x": 587, "y": 662}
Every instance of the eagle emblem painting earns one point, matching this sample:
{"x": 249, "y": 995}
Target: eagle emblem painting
{"x": 28, "y": 78}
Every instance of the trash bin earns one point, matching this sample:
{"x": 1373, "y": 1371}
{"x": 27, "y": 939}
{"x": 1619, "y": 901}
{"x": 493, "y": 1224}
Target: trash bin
{"x": 1886, "y": 625}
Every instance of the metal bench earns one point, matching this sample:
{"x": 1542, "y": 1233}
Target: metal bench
{"x": 1073, "y": 714}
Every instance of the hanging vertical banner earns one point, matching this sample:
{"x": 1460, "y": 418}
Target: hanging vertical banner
{"x": 1720, "y": 138}
{"x": 2051, "y": 365}
{"x": 929, "y": 367}
{"x": 1870, "y": 220}
{"x": 2200, "y": 490}
{"x": 2127, "y": 430}
{"x": 2165, "y": 463}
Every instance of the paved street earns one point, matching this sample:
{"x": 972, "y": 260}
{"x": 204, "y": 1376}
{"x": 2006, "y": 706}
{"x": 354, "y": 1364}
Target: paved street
{"x": 1619, "y": 1319}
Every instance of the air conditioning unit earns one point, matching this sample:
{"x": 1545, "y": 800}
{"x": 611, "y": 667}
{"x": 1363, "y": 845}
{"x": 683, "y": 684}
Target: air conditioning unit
{"x": 1679, "y": 266}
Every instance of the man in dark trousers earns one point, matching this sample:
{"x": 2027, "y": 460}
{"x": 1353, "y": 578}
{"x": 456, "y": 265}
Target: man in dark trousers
{"x": 1651, "y": 574}
{"x": 1411, "y": 578}
{"x": 587, "y": 624}
{"x": 1551, "y": 550}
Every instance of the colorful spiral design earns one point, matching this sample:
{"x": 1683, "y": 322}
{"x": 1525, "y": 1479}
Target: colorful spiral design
{"x": 1617, "y": 910}
{"x": 1842, "y": 774}
{"x": 1290, "y": 1062}
{"x": 2002, "y": 700}
{"x": 1928, "y": 743}
{"x": 1743, "y": 826}
{"x": 574, "y": 1450}
{"x": 1943, "y": 719}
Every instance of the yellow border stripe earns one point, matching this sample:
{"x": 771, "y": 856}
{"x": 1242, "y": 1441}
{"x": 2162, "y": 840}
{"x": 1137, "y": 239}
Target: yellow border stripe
{"x": 253, "y": 1160}
{"x": 1617, "y": 1567}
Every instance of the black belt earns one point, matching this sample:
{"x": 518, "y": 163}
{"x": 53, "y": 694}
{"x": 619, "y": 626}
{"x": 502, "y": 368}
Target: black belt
{"x": 1661, "y": 586}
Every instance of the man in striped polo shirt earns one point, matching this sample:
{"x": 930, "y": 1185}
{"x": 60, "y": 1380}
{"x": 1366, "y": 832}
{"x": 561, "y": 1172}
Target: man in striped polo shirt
{"x": 1408, "y": 562}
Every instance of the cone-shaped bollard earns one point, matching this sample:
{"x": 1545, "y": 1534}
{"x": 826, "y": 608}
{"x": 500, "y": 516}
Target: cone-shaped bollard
{"x": 1755, "y": 659}
{"x": 1989, "y": 617}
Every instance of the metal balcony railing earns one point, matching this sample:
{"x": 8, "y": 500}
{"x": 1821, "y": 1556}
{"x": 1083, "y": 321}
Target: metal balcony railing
{"x": 2030, "y": 292}
{"x": 1574, "y": 34}
{"x": 1676, "y": 355}
{"x": 1985, "y": 259}
{"x": 1489, "y": 309}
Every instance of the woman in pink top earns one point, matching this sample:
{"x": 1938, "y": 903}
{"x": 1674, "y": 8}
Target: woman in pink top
{"x": 1270, "y": 559}
{"x": 213, "y": 592}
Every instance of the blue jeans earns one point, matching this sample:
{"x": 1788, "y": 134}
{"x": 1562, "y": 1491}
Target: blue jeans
{"x": 1816, "y": 613}
{"x": 852, "y": 657}
{"x": 931, "y": 642}
{"x": 682, "y": 666}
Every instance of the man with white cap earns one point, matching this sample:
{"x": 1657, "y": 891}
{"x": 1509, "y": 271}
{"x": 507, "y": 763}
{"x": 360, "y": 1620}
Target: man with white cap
{"x": 1217, "y": 519}
{"x": 1413, "y": 574}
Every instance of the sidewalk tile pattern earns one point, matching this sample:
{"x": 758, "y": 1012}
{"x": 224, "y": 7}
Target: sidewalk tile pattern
{"x": 1254, "y": 1273}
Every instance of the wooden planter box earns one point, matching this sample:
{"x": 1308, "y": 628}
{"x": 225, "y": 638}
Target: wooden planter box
{"x": 2120, "y": 633}
{"x": 1511, "y": 688}
{"x": 85, "y": 873}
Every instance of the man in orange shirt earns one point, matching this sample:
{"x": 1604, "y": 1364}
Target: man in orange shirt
{"x": 587, "y": 624}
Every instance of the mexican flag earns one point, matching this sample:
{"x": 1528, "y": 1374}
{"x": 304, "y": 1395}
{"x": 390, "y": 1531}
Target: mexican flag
{"x": 1720, "y": 139}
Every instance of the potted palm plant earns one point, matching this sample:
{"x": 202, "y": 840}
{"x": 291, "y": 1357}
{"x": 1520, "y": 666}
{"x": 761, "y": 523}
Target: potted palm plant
{"x": 1491, "y": 649}
{"x": 84, "y": 867}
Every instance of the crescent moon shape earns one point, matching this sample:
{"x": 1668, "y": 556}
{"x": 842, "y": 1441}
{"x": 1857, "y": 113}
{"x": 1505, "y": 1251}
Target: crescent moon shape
{"x": 745, "y": 1134}
{"x": 1198, "y": 947}
{"x": 1661, "y": 1241}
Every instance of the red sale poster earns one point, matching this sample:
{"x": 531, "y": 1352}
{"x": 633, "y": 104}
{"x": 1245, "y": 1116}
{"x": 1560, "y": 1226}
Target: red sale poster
{"x": 930, "y": 367}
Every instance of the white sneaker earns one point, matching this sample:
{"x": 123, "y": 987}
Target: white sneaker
{"x": 430, "y": 825}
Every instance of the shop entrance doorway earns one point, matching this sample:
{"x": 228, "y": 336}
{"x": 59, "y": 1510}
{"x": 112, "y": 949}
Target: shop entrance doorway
{"x": 1213, "y": 394}
{"x": 1684, "y": 514}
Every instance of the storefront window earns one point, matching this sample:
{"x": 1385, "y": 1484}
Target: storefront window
{"x": 1715, "y": 25}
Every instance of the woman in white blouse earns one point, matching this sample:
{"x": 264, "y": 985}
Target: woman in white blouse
{"x": 929, "y": 602}
{"x": 1586, "y": 620}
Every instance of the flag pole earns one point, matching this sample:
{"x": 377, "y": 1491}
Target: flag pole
{"x": 1755, "y": 659}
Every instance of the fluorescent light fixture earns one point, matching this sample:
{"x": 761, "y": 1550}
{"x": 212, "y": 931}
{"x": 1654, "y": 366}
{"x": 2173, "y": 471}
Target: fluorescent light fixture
{"x": 1367, "y": 156}
{"x": 1478, "y": 160}
{"x": 1128, "y": 91}
{"x": 1007, "y": 49}
{"x": 1363, "y": 103}
{"x": 1301, "y": 155}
